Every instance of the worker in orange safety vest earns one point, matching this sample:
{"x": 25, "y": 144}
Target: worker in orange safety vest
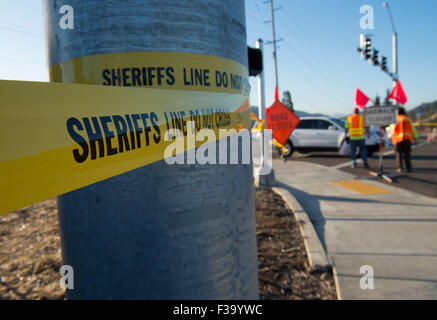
{"x": 404, "y": 133}
{"x": 355, "y": 126}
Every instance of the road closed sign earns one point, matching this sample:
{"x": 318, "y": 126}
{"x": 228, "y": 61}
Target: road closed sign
{"x": 379, "y": 116}
{"x": 281, "y": 121}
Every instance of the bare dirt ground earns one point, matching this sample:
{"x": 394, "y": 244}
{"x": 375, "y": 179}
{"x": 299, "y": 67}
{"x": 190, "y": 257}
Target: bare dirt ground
{"x": 284, "y": 272}
{"x": 30, "y": 254}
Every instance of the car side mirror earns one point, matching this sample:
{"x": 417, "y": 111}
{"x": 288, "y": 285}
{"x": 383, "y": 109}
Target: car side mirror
{"x": 332, "y": 128}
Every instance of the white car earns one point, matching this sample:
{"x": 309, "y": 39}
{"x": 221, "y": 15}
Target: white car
{"x": 324, "y": 134}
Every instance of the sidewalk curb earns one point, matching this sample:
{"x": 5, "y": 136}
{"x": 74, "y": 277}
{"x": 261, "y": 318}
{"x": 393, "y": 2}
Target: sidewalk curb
{"x": 316, "y": 253}
{"x": 317, "y": 257}
{"x": 337, "y": 285}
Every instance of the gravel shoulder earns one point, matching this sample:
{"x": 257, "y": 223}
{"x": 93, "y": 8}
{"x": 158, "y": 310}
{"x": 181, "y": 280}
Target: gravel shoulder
{"x": 284, "y": 271}
{"x": 30, "y": 254}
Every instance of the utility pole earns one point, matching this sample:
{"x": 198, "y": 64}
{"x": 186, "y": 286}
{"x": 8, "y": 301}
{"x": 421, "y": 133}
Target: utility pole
{"x": 275, "y": 58}
{"x": 160, "y": 231}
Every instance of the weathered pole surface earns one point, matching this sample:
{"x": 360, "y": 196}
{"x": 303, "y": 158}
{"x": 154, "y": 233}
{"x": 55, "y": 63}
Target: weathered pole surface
{"x": 161, "y": 231}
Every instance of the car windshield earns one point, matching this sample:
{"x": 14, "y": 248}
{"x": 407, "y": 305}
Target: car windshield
{"x": 340, "y": 122}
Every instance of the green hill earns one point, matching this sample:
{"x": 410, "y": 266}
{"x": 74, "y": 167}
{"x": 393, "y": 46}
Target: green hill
{"x": 299, "y": 113}
{"x": 429, "y": 111}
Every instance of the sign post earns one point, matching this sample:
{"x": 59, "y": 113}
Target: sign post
{"x": 380, "y": 116}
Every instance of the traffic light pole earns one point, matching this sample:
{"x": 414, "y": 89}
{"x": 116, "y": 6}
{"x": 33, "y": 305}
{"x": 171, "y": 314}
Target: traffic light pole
{"x": 394, "y": 75}
{"x": 395, "y": 53}
{"x": 160, "y": 231}
{"x": 394, "y": 43}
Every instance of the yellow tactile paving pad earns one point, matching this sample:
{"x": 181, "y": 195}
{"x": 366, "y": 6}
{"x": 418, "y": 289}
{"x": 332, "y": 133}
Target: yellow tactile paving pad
{"x": 360, "y": 187}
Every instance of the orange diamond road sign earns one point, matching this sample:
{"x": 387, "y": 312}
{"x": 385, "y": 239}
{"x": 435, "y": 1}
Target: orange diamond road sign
{"x": 281, "y": 121}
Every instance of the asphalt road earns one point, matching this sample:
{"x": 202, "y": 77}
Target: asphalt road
{"x": 422, "y": 180}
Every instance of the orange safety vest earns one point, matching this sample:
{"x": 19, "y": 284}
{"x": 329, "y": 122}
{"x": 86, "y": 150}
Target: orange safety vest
{"x": 356, "y": 126}
{"x": 402, "y": 130}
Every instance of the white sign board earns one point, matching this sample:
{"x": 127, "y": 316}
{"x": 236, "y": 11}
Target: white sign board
{"x": 379, "y": 116}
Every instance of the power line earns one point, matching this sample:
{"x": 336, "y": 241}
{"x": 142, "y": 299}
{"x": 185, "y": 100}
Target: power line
{"x": 22, "y": 32}
{"x": 316, "y": 77}
{"x": 322, "y": 52}
{"x": 307, "y": 65}
{"x": 22, "y": 61}
{"x": 345, "y": 80}
{"x": 16, "y": 25}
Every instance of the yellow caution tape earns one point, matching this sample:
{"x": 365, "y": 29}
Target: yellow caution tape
{"x": 433, "y": 124}
{"x": 55, "y": 138}
{"x": 159, "y": 70}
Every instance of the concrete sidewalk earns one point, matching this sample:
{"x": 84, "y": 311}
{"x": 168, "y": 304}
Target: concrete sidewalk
{"x": 365, "y": 222}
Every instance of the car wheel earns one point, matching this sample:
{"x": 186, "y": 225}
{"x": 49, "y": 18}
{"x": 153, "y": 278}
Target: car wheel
{"x": 289, "y": 149}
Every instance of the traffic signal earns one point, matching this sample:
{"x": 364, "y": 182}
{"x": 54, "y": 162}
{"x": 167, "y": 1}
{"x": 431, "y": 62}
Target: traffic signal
{"x": 375, "y": 57}
{"x": 255, "y": 61}
{"x": 384, "y": 64}
{"x": 367, "y": 49}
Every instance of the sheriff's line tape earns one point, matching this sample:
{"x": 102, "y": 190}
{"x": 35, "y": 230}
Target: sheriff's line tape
{"x": 58, "y": 137}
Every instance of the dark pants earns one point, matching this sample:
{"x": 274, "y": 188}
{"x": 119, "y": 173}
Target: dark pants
{"x": 362, "y": 145}
{"x": 403, "y": 150}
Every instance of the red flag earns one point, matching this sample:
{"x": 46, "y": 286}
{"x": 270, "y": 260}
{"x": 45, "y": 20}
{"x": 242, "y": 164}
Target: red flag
{"x": 361, "y": 99}
{"x": 276, "y": 94}
{"x": 398, "y": 93}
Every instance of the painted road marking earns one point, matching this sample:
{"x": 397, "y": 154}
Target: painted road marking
{"x": 387, "y": 153}
{"x": 360, "y": 187}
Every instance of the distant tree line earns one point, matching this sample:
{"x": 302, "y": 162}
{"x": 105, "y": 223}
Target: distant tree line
{"x": 427, "y": 109}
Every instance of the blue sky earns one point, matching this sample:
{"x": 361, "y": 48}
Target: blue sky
{"x": 22, "y": 45}
{"x": 317, "y": 60}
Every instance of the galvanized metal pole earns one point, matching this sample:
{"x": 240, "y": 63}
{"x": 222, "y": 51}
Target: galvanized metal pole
{"x": 261, "y": 99}
{"x": 395, "y": 53}
{"x": 264, "y": 175}
{"x": 261, "y": 89}
{"x": 160, "y": 231}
